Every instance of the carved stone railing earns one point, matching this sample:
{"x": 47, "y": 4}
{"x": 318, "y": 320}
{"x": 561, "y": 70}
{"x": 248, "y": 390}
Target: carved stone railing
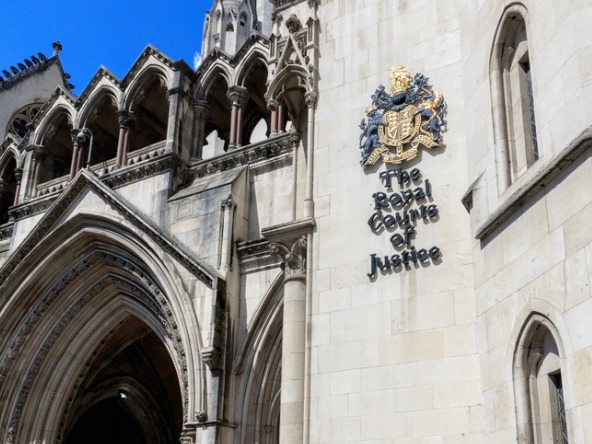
{"x": 255, "y": 152}
{"x": 147, "y": 153}
{"x": 151, "y": 160}
{"x": 135, "y": 157}
{"x": 6, "y": 230}
{"x": 53, "y": 186}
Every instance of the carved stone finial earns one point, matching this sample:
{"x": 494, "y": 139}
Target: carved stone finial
{"x": 57, "y": 47}
{"x": 293, "y": 24}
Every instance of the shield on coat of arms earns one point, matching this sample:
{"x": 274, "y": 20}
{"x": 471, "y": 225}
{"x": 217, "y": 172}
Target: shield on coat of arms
{"x": 400, "y": 126}
{"x": 397, "y": 124}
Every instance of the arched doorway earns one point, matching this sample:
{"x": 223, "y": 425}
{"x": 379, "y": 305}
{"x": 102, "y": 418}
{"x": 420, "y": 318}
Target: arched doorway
{"x": 129, "y": 393}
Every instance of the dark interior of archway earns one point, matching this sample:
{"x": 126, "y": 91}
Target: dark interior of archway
{"x": 151, "y": 112}
{"x": 58, "y": 145}
{"x": 256, "y": 107}
{"x": 7, "y": 188}
{"x": 133, "y": 360}
{"x": 107, "y": 422}
{"x": 103, "y": 124}
{"x": 219, "y": 111}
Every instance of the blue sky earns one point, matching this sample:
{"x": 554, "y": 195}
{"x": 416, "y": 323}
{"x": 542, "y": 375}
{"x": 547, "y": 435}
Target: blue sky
{"x": 100, "y": 32}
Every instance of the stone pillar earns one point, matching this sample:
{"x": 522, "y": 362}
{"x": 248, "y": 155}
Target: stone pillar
{"x": 293, "y": 341}
{"x": 202, "y": 112}
{"x": 125, "y": 121}
{"x": 3, "y": 193}
{"x": 39, "y": 154}
{"x": 272, "y": 106}
{"x": 18, "y": 174}
{"x": 228, "y": 208}
{"x": 280, "y": 117}
{"x": 311, "y": 100}
{"x": 238, "y": 98}
{"x": 75, "y": 153}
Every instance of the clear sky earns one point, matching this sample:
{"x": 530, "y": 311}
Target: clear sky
{"x": 100, "y": 32}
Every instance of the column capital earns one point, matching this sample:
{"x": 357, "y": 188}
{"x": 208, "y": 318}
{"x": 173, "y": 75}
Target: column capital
{"x": 39, "y": 153}
{"x": 273, "y": 105}
{"x": 125, "y": 118}
{"x": 202, "y": 109}
{"x": 310, "y": 98}
{"x": 18, "y": 174}
{"x": 294, "y": 258}
{"x": 229, "y": 203}
{"x": 238, "y": 95}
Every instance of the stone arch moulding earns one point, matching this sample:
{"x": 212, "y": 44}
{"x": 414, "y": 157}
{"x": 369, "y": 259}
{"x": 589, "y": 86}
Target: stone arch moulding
{"x": 117, "y": 278}
{"x": 124, "y": 274}
{"x": 148, "y": 72}
{"x": 210, "y": 77}
{"x": 531, "y": 340}
{"x": 94, "y": 100}
{"x": 259, "y": 364}
{"x": 506, "y": 128}
{"x": 44, "y": 127}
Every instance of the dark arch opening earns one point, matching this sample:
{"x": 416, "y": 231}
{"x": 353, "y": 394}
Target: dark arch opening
{"x": 220, "y": 110}
{"x": 107, "y": 422}
{"x": 130, "y": 391}
{"x": 7, "y": 188}
{"x": 256, "y": 107}
{"x": 151, "y": 112}
{"x": 103, "y": 124}
{"x": 57, "y": 155}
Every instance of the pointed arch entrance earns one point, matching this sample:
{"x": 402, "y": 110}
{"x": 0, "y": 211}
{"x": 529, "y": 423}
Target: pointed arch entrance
{"x": 98, "y": 331}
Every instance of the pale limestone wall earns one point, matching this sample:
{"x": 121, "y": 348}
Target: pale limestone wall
{"x": 539, "y": 260}
{"x": 394, "y": 359}
{"x": 36, "y": 88}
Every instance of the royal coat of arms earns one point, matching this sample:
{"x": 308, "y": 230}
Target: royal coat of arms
{"x": 397, "y": 123}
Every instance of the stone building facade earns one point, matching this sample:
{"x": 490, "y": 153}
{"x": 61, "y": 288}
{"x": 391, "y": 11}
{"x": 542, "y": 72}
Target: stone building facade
{"x": 227, "y": 255}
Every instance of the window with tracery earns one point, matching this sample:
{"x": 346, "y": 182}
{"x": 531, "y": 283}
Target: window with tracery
{"x": 24, "y": 116}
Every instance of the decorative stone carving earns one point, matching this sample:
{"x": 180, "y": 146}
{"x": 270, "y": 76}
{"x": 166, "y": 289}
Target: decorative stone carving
{"x": 238, "y": 95}
{"x": 294, "y": 258}
{"x": 125, "y": 119}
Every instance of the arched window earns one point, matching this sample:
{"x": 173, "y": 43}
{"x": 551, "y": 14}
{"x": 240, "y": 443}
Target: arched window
{"x": 538, "y": 384}
{"x": 513, "y": 99}
{"x": 18, "y": 123}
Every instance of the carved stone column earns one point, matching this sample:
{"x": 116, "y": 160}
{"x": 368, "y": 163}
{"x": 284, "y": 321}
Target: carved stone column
{"x": 273, "y": 106}
{"x": 280, "y": 117}
{"x": 39, "y": 155}
{"x": 228, "y": 208}
{"x": 3, "y": 195}
{"x": 202, "y": 112}
{"x": 311, "y": 99}
{"x": 293, "y": 341}
{"x": 238, "y": 97}
{"x": 18, "y": 174}
{"x": 74, "y": 166}
{"x": 125, "y": 121}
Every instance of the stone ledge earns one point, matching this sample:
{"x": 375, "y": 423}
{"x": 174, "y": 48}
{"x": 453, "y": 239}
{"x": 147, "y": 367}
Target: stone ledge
{"x": 288, "y": 230}
{"x": 577, "y": 147}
